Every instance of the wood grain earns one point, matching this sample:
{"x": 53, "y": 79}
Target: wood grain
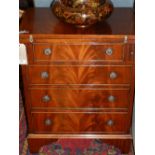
{"x": 80, "y": 123}
{"x": 79, "y": 74}
{"x": 78, "y": 52}
{"x": 63, "y": 98}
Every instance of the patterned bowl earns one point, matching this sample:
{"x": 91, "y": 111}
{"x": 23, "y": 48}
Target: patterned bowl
{"x": 82, "y": 13}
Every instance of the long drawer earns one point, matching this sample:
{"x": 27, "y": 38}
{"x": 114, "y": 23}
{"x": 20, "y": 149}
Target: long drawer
{"x": 78, "y": 52}
{"x": 80, "y": 123}
{"x": 74, "y": 98}
{"x": 79, "y": 74}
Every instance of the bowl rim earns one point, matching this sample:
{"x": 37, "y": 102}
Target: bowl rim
{"x": 78, "y": 10}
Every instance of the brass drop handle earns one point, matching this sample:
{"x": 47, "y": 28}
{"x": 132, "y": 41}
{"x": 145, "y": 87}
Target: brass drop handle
{"x": 111, "y": 98}
{"x": 44, "y": 75}
{"x": 46, "y": 98}
{"x": 110, "y": 122}
{"x": 113, "y": 75}
{"x": 47, "y": 51}
{"x": 48, "y": 122}
{"x": 109, "y": 51}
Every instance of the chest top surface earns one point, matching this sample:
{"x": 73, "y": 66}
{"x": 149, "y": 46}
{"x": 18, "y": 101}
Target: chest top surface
{"x": 42, "y": 21}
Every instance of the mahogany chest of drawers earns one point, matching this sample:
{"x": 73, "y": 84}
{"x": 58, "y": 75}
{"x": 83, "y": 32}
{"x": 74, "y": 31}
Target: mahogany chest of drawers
{"x": 78, "y": 83}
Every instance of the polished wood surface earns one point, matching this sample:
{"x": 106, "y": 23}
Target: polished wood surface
{"x": 79, "y": 52}
{"x": 79, "y": 81}
{"x": 80, "y": 74}
{"x": 42, "y": 21}
{"x": 80, "y": 99}
{"x": 80, "y": 123}
{"x": 80, "y": 136}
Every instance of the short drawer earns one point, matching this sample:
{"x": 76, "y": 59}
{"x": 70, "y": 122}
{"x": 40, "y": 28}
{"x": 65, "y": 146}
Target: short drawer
{"x": 78, "y": 52}
{"x": 79, "y": 99}
{"x": 79, "y": 74}
{"x": 80, "y": 123}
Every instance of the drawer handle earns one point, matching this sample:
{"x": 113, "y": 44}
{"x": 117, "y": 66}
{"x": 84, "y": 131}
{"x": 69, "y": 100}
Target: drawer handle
{"x": 113, "y": 75}
{"x": 46, "y": 98}
{"x": 48, "y": 122}
{"x": 110, "y": 122}
{"x": 111, "y": 98}
{"x": 44, "y": 75}
{"x": 109, "y": 51}
{"x": 47, "y": 51}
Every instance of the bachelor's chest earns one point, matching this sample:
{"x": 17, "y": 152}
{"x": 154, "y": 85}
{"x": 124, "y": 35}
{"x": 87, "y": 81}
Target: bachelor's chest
{"x": 78, "y": 83}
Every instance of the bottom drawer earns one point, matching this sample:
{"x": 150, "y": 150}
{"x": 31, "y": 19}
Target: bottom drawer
{"x": 80, "y": 122}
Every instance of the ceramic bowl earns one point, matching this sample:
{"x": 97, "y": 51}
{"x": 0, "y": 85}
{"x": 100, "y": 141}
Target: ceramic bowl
{"x": 82, "y": 13}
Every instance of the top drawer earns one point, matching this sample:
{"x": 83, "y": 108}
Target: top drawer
{"x": 78, "y": 52}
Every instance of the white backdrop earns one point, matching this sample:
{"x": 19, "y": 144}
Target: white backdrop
{"x": 117, "y": 3}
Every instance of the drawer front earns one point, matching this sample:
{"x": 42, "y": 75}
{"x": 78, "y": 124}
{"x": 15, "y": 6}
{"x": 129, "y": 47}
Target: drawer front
{"x": 79, "y": 123}
{"x": 79, "y": 74}
{"x": 63, "y": 98}
{"x": 78, "y": 52}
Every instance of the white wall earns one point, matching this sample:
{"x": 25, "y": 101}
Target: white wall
{"x": 117, "y": 3}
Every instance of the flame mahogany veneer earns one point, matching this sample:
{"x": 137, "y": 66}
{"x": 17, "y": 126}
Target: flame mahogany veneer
{"x": 79, "y": 83}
